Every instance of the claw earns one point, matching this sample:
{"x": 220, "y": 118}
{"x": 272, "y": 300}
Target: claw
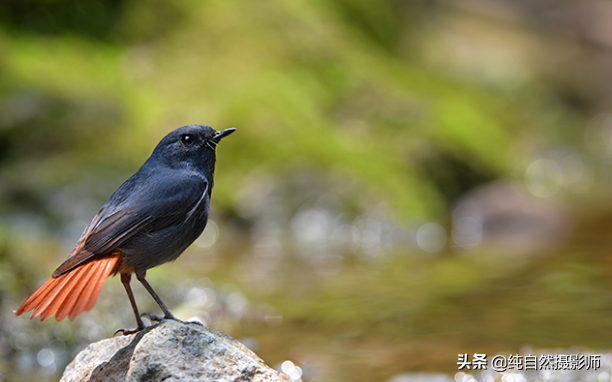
{"x": 152, "y": 317}
{"x": 127, "y": 332}
{"x": 195, "y": 322}
{"x": 155, "y": 318}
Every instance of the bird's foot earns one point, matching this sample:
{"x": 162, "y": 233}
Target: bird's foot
{"x": 196, "y": 322}
{"x": 155, "y": 318}
{"x": 127, "y": 332}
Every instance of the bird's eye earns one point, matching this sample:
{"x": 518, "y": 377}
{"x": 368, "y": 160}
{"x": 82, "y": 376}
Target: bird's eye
{"x": 187, "y": 139}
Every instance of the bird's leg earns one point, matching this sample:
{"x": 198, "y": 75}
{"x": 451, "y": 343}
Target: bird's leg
{"x": 167, "y": 314}
{"x": 125, "y": 280}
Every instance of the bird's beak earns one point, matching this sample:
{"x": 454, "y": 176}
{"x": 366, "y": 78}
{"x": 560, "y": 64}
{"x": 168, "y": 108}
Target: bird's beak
{"x": 223, "y": 134}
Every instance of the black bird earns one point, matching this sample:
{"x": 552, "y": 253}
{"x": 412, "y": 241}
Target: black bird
{"x": 150, "y": 220}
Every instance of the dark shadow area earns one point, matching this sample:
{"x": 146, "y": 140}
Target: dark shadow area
{"x": 120, "y": 360}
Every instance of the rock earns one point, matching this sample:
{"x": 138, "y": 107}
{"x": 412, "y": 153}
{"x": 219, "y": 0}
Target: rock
{"x": 170, "y": 351}
{"x": 507, "y": 217}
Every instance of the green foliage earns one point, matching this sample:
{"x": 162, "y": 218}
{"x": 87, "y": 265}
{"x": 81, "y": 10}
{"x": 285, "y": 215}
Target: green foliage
{"x": 320, "y": 85}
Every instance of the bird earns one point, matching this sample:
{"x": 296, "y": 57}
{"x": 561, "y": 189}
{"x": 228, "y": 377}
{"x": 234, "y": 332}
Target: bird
{"x": 148, "y": 221}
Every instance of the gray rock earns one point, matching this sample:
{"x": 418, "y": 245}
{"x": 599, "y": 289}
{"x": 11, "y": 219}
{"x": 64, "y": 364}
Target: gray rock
{"x": 170, "y": 351}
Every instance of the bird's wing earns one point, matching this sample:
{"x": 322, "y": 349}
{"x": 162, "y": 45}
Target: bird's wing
{"x": 134, "y": 208}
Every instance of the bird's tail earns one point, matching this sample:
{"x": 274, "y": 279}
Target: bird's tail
{"x": 73, "y": 292}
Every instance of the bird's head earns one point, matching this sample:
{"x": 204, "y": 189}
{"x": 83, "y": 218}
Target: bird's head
{"x": 192, "y": 145}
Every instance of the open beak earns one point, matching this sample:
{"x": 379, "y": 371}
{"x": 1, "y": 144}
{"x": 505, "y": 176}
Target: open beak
{"x": 223, "y": 134}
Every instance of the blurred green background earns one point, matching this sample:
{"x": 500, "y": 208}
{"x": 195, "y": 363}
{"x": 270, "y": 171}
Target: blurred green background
{"x": 410, "y": 180}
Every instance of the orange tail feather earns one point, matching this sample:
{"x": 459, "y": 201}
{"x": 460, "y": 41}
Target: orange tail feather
{"x": 81, "y": 303}
{"x": 71, "y": 293}
{"x": 97, "y": 287}
{"x": 68, "y": 303}
{"x": 61, "y": 292}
